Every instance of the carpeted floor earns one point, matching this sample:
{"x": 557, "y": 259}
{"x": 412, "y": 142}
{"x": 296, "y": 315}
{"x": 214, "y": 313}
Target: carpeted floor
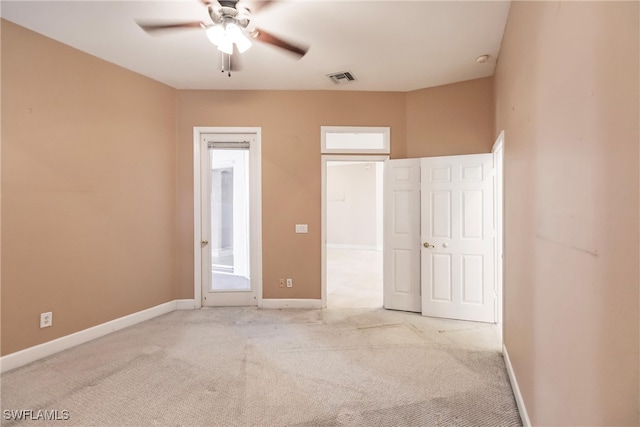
{"x": 252, "y": 367}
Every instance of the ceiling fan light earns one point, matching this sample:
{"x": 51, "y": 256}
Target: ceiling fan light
{"x": 235, "y": 34}
{"x": 226, "y": 46}
{"x": 243, "y": 43}
{"x": 216, "y": 35}
{"x": 232, "y": 30}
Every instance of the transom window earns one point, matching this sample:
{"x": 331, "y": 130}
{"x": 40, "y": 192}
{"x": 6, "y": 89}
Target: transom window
{"x": 355, "y": 140}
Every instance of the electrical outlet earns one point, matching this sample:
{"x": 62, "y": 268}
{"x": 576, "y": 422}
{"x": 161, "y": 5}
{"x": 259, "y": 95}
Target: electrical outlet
{"x": 46, "y": 319}
{"x": 289, "y": 283}
{"x": 282, "y": 283}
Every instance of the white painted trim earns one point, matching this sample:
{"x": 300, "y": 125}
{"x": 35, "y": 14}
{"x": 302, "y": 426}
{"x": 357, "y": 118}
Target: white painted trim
{"x": 197, "y": 220}
{"x": 292, "y": 303}
{"x": 355, "y": 247}
{"x": 325, "y": 158}
{"x": 31, "y": 354}
{"x": 256, "y": 213}
{"x": 499, "y": 261}
{"x": 499, "y": 144}
{"x": 516, "y": 389}
{"x": 323, "y": 232}
{"x": 256, "y": 209}
{"x": 186, "y": 304}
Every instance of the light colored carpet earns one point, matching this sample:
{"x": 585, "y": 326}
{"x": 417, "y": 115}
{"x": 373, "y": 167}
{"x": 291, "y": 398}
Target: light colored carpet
{"x": 253, "y": 367}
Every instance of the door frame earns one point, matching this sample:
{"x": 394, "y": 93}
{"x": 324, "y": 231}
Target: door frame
{"x": 498, "y": 211}
{"x": 255, "y": 209}
{"x": 325, "y": 158}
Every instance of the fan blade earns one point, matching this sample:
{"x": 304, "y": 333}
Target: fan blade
{"x": 269, "y": 38}
{"x": 150, "y": 28}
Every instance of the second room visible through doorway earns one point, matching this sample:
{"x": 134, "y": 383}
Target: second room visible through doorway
{"x": 354, "y": 234}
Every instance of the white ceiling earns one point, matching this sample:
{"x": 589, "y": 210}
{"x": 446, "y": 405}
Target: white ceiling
{"x": 387, "y": 45}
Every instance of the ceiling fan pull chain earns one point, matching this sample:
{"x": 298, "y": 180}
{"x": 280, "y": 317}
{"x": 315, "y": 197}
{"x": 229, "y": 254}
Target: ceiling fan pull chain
{"x": 226, "y": 63}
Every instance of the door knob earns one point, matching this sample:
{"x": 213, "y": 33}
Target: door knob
{"x": 427, "y": 245}
{"x": 204, "y": 242}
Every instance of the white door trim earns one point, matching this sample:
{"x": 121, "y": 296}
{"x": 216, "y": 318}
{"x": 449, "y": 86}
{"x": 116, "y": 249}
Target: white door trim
{"x": 498, "y": 200}
{"x": 255, "y": 209}
{"x": 325, "y": 158}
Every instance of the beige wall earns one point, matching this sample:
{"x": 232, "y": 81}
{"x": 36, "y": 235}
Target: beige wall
{"x": 451, "y": 119}
{"x": 567, "y": 98}
{"x": 88, "y": 190}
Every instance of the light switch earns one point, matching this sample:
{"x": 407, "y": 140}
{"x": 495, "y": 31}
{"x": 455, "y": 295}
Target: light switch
{"x": 302, "y": 228}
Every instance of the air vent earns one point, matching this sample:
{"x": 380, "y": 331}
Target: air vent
{"x": 340, "y": 78}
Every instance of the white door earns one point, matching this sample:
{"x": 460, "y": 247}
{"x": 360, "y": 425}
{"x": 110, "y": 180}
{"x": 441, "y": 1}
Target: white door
{"x": 438, "y": 237}
{"x": 229, "y": 222}
{"x": 457, "y": 266}
{"x": 402, "y": 235}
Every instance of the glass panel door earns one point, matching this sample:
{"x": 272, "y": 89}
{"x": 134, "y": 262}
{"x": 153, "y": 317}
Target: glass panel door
{"x": 229, "y": 196}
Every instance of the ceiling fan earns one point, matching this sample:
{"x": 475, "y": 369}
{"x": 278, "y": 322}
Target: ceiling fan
{"x": 229, "y": 29}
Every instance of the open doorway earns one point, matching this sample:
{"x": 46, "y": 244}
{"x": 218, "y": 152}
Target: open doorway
{"x": 353, "y": 250}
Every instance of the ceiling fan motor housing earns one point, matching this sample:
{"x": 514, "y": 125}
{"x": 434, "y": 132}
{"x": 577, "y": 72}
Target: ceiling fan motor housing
{"x": 227, "y": 12}
{"x": 228, "y": 3}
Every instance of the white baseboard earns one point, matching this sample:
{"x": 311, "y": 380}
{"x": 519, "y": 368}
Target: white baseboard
{"x": 356, "y": 247}
{"x": 31, "y": 354}
{"x": 185, "y": 304}
{"x": 292, "y": 303}
{"x": 516, "y": 389}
